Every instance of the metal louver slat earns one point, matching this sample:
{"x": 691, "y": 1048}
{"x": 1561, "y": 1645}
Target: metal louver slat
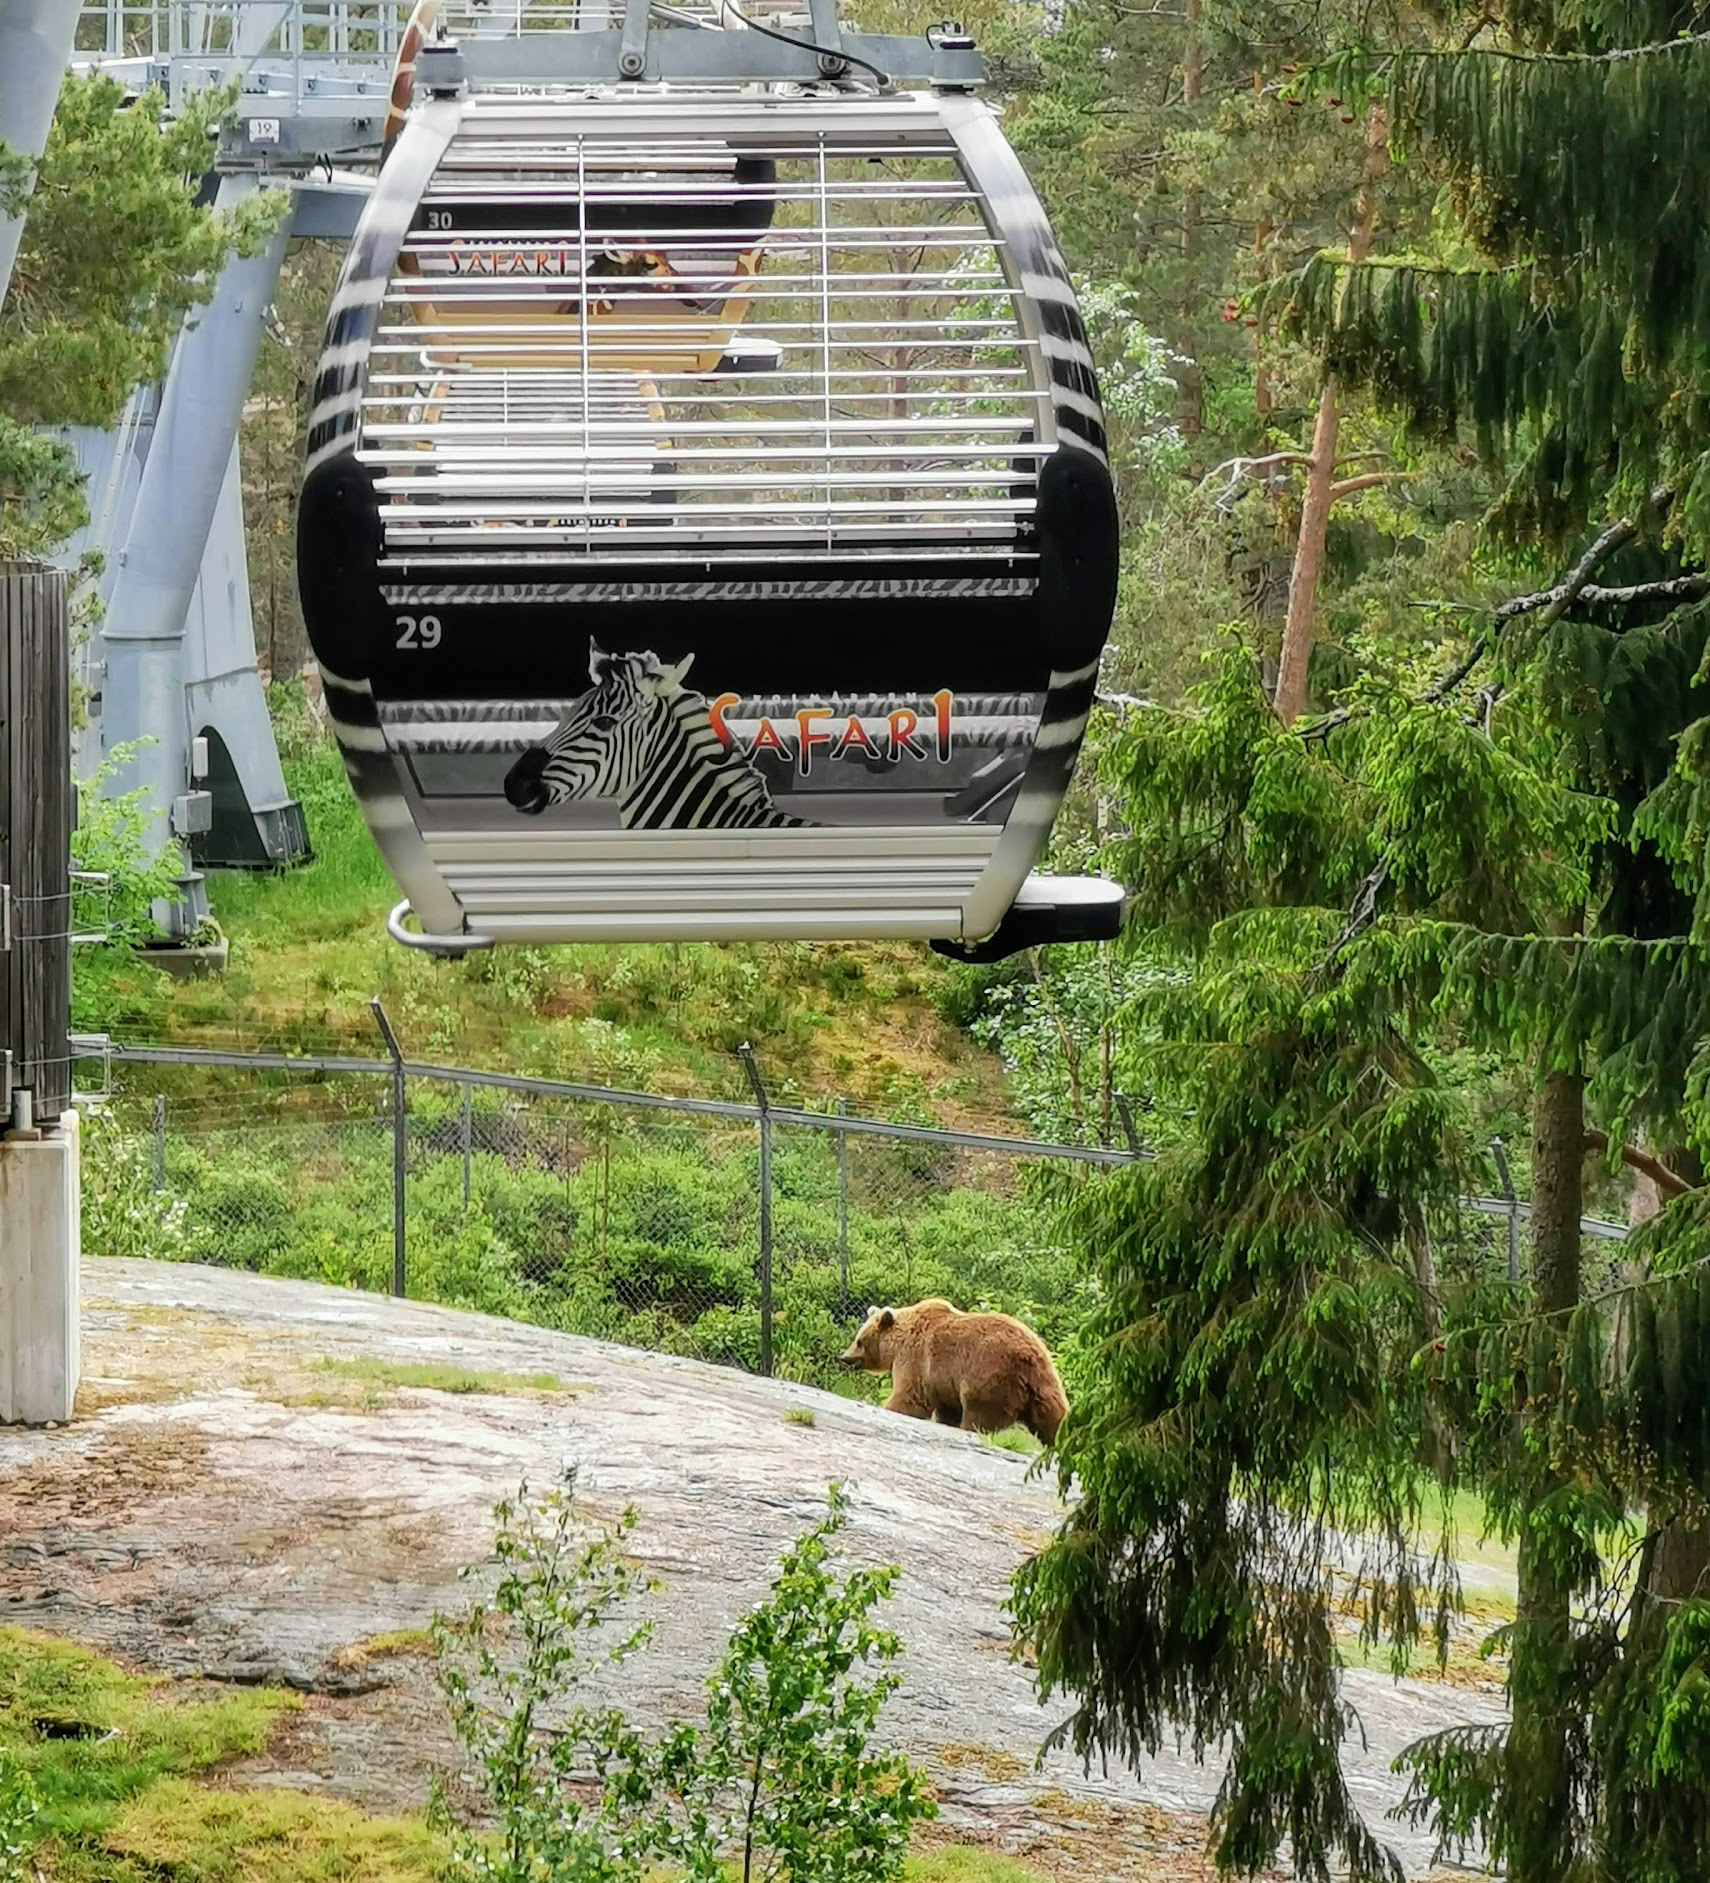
{"x": 564, "y": 387}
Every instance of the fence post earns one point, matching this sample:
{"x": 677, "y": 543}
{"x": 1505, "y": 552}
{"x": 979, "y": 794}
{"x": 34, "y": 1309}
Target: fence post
{"x": 1499, "y": 1153}
{"x": 843, "y": 1209}
{"x": 159, "y": 1143}
{"x": 399, "y": 1120}
{"x": 564, "y": 1166}
{"x": 757, "y": 1085}
{"x": 1125, "y": 1111}
{"x": 463, "y": 1126}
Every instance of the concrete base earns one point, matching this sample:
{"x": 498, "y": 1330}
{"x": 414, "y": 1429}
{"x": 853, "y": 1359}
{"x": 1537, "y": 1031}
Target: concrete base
{"x": 182, "y": 962}
{"x": 40, "y": 1263}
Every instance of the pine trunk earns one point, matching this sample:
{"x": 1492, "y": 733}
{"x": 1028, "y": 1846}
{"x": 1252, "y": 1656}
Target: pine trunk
{"x": 1290, "y": 697}
{"x": 1192, "y": 413}
{"x": 1539, "y": 1780}
{"x": 1290, "y": 700}
{"x": 1680, "y": 1563}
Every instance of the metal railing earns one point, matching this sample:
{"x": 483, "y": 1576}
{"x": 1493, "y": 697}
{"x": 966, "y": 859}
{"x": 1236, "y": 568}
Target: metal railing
{"x": 307, "y": 56}
{"x": 331, "y": 60}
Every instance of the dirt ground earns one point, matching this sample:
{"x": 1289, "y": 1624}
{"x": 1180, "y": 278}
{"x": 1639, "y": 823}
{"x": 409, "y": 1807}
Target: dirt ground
{"x": 229, "y": 1505}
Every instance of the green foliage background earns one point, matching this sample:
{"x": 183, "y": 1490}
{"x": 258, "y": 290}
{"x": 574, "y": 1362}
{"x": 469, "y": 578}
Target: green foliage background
{"x": 115, "y": 252}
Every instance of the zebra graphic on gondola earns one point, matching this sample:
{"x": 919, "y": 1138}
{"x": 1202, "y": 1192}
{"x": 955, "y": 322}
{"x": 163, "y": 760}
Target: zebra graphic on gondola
{"x": 640, "y": 736}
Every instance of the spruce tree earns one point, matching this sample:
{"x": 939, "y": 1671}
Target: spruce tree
{"x": 1509, "y": 860}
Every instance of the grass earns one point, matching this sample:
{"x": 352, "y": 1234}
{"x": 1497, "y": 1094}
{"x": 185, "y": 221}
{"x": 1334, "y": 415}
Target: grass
{"x": 1466, "y": 1665}
{"x": 113, "y": 1758}
{"x": 91, "y": 1737}
{"x": 179, "y": 1829}
{"x": 443, "y": 1379}
{"x": 308, "y": 950}
{"x": 1016, "y": 1439}
{"x": 963, "y": 1863}
{"x": 394, "y": 1644}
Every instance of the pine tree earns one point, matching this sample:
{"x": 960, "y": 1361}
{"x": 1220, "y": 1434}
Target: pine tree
{"x": 1285, "y": 1349}
{"x": 1179, "y": 168}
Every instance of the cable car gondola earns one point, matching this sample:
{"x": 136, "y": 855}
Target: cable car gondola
{"x": 745, "y": 568}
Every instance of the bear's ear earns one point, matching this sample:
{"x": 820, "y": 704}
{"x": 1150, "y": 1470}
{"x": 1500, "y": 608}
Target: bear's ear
{"x": 886, "y": 1319}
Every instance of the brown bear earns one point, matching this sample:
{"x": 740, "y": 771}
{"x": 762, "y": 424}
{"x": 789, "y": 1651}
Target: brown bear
{"x": 984, "y": 1372}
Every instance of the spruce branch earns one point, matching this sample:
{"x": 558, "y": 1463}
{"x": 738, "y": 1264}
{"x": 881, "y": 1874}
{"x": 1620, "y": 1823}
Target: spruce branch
{"x": 1617, "y": 55}
{"x": 1666, "y": 1180}
{"x": 1395, "y": 264}
{"x": 1555, "y": 603}
{"x": 1434, "y": 695}
{"x": 1679, "y": 588}
{"x": 1478, "y": 26}
{"x": 1575, "y": 586}
{"x": 1618, "y": 535}
{"x": 1360, "y": 917}
{"x": 1621, "y": 1291}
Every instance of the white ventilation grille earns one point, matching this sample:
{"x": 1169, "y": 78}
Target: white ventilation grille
{"x": 518, "y": 19}
{"x": 854, "y": 378}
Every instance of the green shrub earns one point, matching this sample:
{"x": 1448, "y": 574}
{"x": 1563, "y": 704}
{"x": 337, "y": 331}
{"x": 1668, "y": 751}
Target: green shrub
{"x": 123, "y": 1214}
{"x": 242, "y": 1211}
{"x": 782, "y": 1772}
{"x": 504, "y": 1665}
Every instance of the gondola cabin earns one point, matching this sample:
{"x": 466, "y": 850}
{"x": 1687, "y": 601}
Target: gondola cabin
{"x": 707, "y": 530}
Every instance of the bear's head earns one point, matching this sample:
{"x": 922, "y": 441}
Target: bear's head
{"x": 871, "y": 1348}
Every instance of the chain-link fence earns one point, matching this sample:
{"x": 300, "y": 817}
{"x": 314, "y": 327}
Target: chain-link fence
{"x": 750, "y": 1235}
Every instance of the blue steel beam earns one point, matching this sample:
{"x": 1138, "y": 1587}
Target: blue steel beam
{"x": 143, "y": 694}
{"x": 35, "y": 42}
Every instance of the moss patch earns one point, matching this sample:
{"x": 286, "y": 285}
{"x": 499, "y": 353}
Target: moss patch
{"x": 444, "y": 1379}
{"x": 91, "y": 1736}
{"x": 1001, "y": 1767}
{"x": 398, "y": 1644}
{"x": 180, "y": 1829}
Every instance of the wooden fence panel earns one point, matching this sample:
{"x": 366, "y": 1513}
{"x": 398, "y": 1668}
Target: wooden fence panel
{"x": 36, "y": 809}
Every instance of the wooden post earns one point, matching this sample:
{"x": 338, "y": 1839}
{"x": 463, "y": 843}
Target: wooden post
{"x": 35, "y": 842}
{"x": 39, "y": 1198}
